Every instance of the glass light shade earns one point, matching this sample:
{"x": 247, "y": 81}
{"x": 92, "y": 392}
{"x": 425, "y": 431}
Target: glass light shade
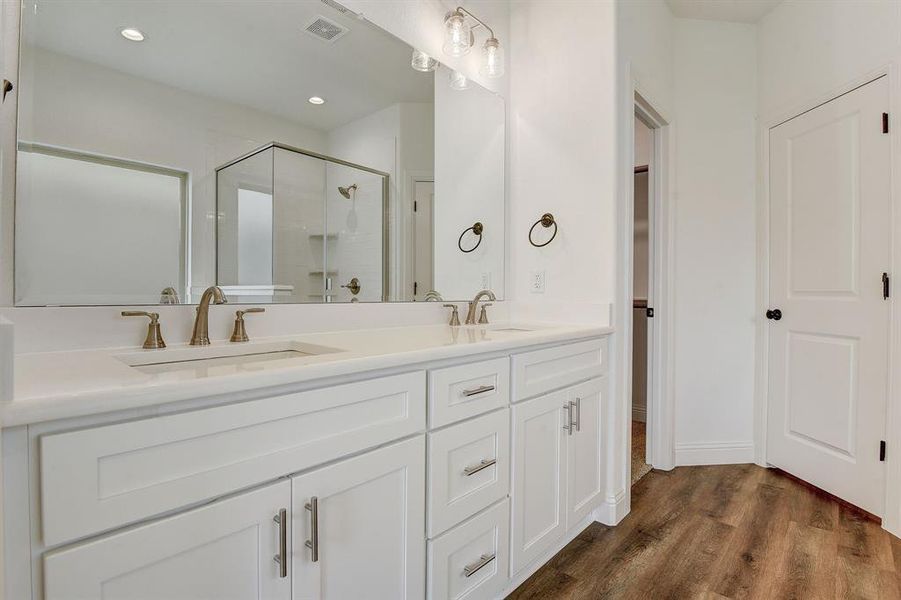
{"x": 457, "y": 34}
{"x": 423, "y": 62}
{"x": 492, "y": 59}
{"x": 458, "y": 81}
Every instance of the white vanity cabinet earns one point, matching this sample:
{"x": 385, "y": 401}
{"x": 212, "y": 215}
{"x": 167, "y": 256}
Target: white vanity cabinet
{"x": 558, "y": 469}
{"x": 221, "y": 551}
{"x": 359, "y": 527}
{"x": 453, "y": 480}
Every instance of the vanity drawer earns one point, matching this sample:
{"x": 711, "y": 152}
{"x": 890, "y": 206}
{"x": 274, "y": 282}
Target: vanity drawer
{"x": 471, "y": 560}
{"x": 464, "y": 391}
{"x": 469, "y": 468}
{"x": 97, "y": 479}
{"x": 541, "y": 371}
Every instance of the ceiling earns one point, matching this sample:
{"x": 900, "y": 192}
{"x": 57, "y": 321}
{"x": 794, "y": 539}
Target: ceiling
{"x": 254, "y": 53}
{"x": 739, "y": 11}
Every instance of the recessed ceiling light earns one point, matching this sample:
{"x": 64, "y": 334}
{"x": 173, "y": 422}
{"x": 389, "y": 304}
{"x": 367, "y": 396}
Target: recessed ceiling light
{"x": 132, "y": 34}
{"x": 316, "y": 100}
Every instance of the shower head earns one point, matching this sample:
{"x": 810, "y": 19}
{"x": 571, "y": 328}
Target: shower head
{"x": 348, "y": 191}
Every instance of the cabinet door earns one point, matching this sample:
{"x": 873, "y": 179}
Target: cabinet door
{"x": 224, "y": 550}
{"x": 584, "y": 464}
{"x": 539, "y": 464}
{"x": 368, "y": 530}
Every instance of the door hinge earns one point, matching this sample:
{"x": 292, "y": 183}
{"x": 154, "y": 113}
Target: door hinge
{"x": 886, "y": 282}
{"x": 650, "y": 312}
{"x": 882, "y": 451}
{"x": 884, "y": 122}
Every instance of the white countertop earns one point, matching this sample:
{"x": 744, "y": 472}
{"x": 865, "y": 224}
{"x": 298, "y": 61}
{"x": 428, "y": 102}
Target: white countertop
{"x": 59, "y": 385}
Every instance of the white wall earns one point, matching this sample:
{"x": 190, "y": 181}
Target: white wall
{"x": 563, "y": 153}
{"x": 808, "y": 50}
{"x": 645, "y": 39}
{"x": 715, "y": 240}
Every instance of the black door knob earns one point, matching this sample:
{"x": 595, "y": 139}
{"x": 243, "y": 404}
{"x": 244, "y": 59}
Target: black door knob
{"x": 775, "y": 315}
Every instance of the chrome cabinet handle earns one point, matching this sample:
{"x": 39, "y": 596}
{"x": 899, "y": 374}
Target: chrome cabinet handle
{"x": 577, "y": 406}
{"x": 282, "y": 557}
{"x": 313, "y": 542}
{"x": 484, "y": 464}
{"x": 470, "y": 570}
{"x": 479, "y": 390}
{"x": 569, "y": 418}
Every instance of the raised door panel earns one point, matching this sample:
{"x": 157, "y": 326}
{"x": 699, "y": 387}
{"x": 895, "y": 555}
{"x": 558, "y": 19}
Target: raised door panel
{"x": 539, "y": 472}
{"x": 370, "y": 522}
{"x": 584, "y": 464}
{"x": 469, "y": 469}
{"x": 222, "y": 551}
{"x": 104, "y": 477}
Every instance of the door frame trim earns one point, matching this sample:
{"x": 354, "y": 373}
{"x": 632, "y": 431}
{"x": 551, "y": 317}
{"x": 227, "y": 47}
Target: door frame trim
{"x": 891, "y": 519}
{"x": 661, "y": 398}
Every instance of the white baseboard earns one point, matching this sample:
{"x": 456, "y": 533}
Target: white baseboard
{"x": 639, "y": 413}
{"x": 714, "y": 453}
{"x": 613, "y": 510}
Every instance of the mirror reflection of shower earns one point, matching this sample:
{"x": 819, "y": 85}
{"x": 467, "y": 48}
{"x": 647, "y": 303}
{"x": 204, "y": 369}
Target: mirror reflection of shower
{"x": 350, "y": 192}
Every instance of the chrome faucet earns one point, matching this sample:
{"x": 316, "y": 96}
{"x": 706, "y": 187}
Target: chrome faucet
{"x": 474, "y": 305}
{"x": 201, "y": 335}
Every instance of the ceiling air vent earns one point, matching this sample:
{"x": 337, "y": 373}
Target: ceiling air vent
{"x": 325, "y": 29}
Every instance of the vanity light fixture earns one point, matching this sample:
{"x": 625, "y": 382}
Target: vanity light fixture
{"x": 459, "y": 40}
{"x": 423, "y": 62}
{"x": 316, "y": 100}
{"x": 458, "y": 81}
{"x": 132, "y": 34}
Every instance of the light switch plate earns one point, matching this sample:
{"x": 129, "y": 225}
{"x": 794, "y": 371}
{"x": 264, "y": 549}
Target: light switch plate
{"x": 536, "y": 282}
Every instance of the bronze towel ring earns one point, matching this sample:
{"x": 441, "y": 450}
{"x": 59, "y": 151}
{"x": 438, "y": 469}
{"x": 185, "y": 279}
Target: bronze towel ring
{"x": 477, "y": 229}
{"x": 546, "y": 220}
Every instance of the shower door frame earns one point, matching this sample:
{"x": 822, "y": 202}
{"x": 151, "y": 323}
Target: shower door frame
{"x": 386, "y": 229}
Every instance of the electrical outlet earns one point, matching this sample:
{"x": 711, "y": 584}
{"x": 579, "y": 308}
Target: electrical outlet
{"x": 486, "y": 281}
{"x": 536, "y": 282}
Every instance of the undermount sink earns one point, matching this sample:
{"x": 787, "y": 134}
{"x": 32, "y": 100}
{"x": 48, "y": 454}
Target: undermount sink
{"x": 179, "y": 359}
{"x": 513, "y": 329}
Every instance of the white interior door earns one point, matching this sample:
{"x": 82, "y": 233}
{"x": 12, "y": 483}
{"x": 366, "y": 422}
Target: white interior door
{"x": 423, "y": 256}
{"x": 829, "y": 246}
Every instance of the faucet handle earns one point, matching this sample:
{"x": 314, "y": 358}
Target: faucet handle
{"x": 483, "y": 316}
{"x": 239, "y": 333}
{"x": 455, "y": 315}
{"x": 154, "y": 339}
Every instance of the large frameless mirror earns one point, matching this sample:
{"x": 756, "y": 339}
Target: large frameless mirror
{"x": 285, "y": 151}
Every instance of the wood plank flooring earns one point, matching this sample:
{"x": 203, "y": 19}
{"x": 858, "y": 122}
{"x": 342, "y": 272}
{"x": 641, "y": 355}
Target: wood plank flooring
{"x": 736, "y": 531}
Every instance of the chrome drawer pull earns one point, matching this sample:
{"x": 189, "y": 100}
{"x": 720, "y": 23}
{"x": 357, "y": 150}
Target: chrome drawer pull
{"x": 470, "y": 570}
{"x": 282, "y": 557}
{"x": 313, "y": 542}
{"x": 569, "y": 418}
{"x": 577, "y": 406}
{"x": 482, "y": 465}
{"x": 479, "y": 390}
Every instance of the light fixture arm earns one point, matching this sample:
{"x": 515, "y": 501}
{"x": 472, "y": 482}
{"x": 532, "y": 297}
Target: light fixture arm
{"x": 478, "y": 21}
